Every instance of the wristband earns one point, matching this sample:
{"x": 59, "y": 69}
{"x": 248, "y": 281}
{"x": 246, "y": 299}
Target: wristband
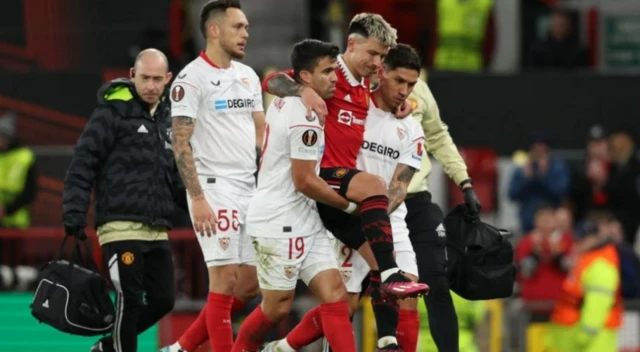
{"x": 463, "y": 183}
{"x": 351, "y": 208}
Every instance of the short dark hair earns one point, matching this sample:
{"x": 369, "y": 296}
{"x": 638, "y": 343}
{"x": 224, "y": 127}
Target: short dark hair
{"x": 305, "y": 54}
{"x": 213, "y": 8}
{"x": 402, "y": 56}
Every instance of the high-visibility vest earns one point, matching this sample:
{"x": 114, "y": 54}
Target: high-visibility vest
{"x": 14, "y": 167}
{"x": 567, "y": 308}
{"x": 461, "y": 30}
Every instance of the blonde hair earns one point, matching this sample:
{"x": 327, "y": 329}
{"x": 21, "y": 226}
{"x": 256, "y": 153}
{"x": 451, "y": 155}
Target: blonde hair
{"x": 373, "y": 25}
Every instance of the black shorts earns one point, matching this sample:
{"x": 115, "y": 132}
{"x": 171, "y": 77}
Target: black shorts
{"x": 338, "y": 178}
{"x": 426, "y": 233}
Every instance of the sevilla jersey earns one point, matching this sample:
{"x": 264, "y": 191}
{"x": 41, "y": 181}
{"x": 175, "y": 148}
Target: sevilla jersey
{"x": 344, "y": 128}
{"x": 277, "y": 210}
{"x": 387, "y": 142}
{"x": 222, "y": 102}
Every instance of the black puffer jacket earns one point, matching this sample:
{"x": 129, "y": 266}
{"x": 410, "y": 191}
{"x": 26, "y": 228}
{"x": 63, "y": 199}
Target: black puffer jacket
{"x": 126, "y": 154}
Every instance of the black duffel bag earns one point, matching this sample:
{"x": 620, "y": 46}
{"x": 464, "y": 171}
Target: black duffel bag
{"x": 481, "y": 264}
{"x": 73, "y": 298}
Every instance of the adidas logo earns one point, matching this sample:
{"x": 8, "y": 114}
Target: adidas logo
{"x": 143, "y": 129}
{"x": 46, "y": 304}
{"x": 347, "y": 98}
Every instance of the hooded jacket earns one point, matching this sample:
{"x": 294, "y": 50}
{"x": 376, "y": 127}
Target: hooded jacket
{"x": 125, "y": 155}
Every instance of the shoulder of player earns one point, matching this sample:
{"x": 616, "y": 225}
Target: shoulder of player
{"x": 296, "y": 113}
{"x": 244, "y": 68}
{"x": 190, "y": 75}
{"x": 411, "y": 125}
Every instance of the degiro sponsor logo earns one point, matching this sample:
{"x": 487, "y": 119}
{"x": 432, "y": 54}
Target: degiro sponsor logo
{"x": 380, "y": 149}
{"x": 222, "y": 104}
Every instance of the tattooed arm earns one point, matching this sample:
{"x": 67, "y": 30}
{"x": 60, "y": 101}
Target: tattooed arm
{"x": 182, "y": 128}
{"x": 281, "y": 84}
{"x": 399, "y": 184}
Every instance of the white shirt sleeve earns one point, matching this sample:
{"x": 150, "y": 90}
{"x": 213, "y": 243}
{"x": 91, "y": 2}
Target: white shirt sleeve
{"x": 305, "y": 137}
{"x": 185, "y": 96}
{"x": 413, "y": 150}
{"x": 257, "y": 92}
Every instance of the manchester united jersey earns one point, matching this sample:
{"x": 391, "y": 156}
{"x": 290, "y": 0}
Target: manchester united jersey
{"x": 344, "y": 128}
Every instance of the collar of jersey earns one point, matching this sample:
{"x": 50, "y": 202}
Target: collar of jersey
{"x": 345, "y": 70}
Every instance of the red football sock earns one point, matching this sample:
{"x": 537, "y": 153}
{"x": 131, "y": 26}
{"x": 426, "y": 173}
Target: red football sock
{"x": 218, "y": 318}
{"x": 197, "y": 333}
{"x": 307, "y": 330}
{"x": 408, "y": 330}
{"x": 337, "y": 326}
{"x": 253, "y": 331}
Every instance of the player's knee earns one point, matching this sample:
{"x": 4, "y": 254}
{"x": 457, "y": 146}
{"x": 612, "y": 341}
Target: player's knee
{"x": 337, "y": 291}
{"x": 247, "y": 293}
{"x": 247, "y": 288}
{"x": 377, "y": 185}
{"x": 223, "y": 279}
{"x": 276, "y": 308}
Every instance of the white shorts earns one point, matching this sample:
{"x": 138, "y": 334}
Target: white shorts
{"x": 280, "y": 262}
{"x": 354, "y": 269}
{"x": 230, "y": 244}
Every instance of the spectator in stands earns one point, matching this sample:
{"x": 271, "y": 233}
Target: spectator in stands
{"x": 564, "y": 221}
{"x": 562, "y": 48}
{"x": 588, "y": 313}
{"x": 588, "y": 180}
{"x": 542, "y": 179}
{"x": 629, "y": 262}
{"x": 18, "y": 180}
{"x": 542, "y": 257}
{"x": 623, "y": 188}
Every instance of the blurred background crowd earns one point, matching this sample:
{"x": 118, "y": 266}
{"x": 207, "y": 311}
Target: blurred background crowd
{"x": 539, "y": 95}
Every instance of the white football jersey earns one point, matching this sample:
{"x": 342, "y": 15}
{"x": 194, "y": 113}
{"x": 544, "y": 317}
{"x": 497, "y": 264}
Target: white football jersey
{"x": 389, "y": 141}
{"x": 222, "y": 101}
{"x": 277, "y": 210}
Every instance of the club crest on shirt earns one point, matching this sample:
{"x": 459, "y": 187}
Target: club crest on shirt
{"x": 290, "y": 271}
{"x": 128, "y": 258}
{"x": 413, "y": 103}
{"x": 278, "y": 103}
{"x": 309, "y": 138}
{"x": 224, "y": 242}
{"x": 245, "y": 80}
{"x": 340, "y": 173}
{"x": 177, "y": 93}
{"x": 401, "y": 133}
{"x": 346, "y": 275}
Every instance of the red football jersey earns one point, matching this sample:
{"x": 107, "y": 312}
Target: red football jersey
{"x": 344, "y": 129}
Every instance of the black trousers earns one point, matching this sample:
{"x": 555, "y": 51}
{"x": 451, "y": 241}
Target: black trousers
{"x": 142, "y": 273}
{"x": 424, "y": 220}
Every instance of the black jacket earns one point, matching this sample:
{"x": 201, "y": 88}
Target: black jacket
{"x": 126, "y": 154}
